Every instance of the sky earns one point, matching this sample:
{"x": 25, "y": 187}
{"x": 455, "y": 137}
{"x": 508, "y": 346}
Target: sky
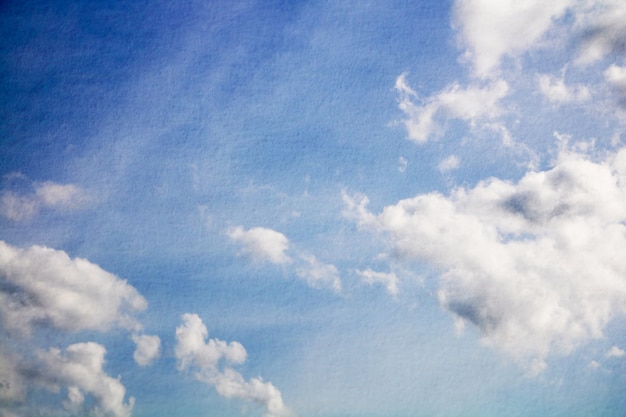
{"x": 312, "y": 208}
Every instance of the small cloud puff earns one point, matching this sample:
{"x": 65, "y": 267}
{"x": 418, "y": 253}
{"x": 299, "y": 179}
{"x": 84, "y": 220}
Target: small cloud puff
{"x": 148, "y": 349}
{"x": 615, "y": 352}
{"x": 449, "y": 164}
{"x": 388, "y": 280}
{"x": 210, "y": 360}
{"x": 22, "y": 206}
{"x": 318, "y": 274}
{"x": 261, "y": 244}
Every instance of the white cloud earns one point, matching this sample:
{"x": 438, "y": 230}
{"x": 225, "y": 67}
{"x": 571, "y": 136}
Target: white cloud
{"x": 66, "y": 196}
{"x": 191, "y": 348}
{"x": 448, "y": 164}
{"x": 555, "y": 90}
{"x": 537, "y": 265}
{"x": 491, "y": 29}
{"x": 318, "y": 274}
{"x": 18, "y": 207}
{"x": 469, "y": 104}
{"x": 388, "y": 280}
{"x": 261, "y": 244}
{"x": 45, "y": 286}
{"x": 402, "y": 164}
{"x": 80, "y": 369}
{"x": 616, "y": 76}
{"x": 148, "y": 349}
{"x": 210, "y": 360}
{"x": 615, "y": 352}
{"x": 47, "y": 195}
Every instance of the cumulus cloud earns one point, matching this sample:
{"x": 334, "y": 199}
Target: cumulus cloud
{"x": 21, "y": 206}
{"x": 615, "y": 352}
{"x": 80, "y": 368}
{"x": 43, "y": 286}
{"x": 210, "y": 360}
{"x": 148, "y": 349}
{"x": 471, "y": 104}
{"x": 318, "y": 274}
{"x": 536, "y": 265}
{"x": 388, "y": 280}
{"x": 555, "y": 90}
{"x": 261, "y": 244}
{"x": 448, "y": 164}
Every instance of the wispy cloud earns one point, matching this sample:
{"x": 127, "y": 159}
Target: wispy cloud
{"x": 387, "y": 279}
{"x": 426, "y": 119}
{"x": 22, "y": 206}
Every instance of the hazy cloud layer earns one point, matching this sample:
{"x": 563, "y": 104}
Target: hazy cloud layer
{"x": 536, "y": 265}
{"x": 211, "y": 363}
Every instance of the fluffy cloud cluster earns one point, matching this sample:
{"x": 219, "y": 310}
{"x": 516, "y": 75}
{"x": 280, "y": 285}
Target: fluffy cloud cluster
{"x": 471, "y": 104}
{"x": 19, "y": 206}
{"x": 44, "y": 288}
{"x": 210, "y": 360}
{"x": 80, "y": 369}
{"x": 263, "y": 244}
{"x": 536, "y": 265}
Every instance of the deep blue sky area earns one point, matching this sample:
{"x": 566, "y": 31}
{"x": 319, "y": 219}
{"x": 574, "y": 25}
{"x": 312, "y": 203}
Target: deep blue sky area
{"x": 312, "y": 208}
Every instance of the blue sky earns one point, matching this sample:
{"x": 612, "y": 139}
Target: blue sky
{"x": 314, "y": 209}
